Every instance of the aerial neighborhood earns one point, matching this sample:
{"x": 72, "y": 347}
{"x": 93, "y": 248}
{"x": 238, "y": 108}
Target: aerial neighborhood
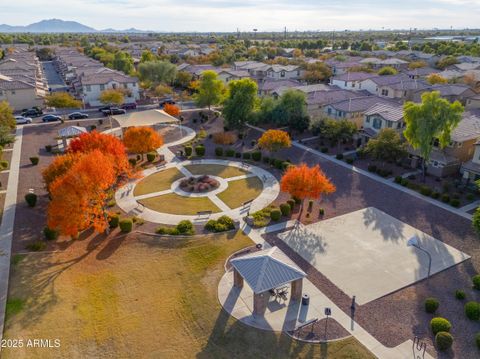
{"x": 248, "y": 194}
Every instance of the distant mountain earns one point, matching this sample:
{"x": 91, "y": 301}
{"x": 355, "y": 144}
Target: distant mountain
{"x": 57, "y": 25}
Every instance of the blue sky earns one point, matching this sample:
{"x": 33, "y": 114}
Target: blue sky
{"x": 224, "y": 15}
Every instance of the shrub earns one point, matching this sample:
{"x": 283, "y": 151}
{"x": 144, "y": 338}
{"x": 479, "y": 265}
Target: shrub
{"x": 50, "y": 234}
{"x": 200, "y": 150}
{"x": 460, "y": 294}
{"x": 476, "y": 281}
{"x": 275, "y": 214}
{"x": 224, "y": 138}
{"x": 246, "y": 155}
{"x": 139, "y": 158}
{"x": 256, "y": 156}
{"x": 31, "y": 199}
{"x": 188, "y": 151}
{"x": 425, "y": 190}
{"x": 227, "y": 222}
{"x": 398, "y": 179}
{"x": 238, "y": 155}
{"x": 439, "y": 324}
{"x": 132, "y": 161}
{"x": 262, "y": 218}
{"x": 372, "y": 168}
{"x": 431, "y": 305}
{"x": 472, "y": 310}
{"x": 219, "y": 151}
{"x": 470, "y": 197}
{"x": 151, "y": 156}
{"x": 222, "y": 224}
{"x": 126, "y": 225}
{"x": 349, "y": 161}
{"x": 405, "y": 182}
{"x": 48, "y": 148}
{"x": 34, "y": 160}
{"x": 291, "y": 203}
{"x": 435, "y": 195}
{"x": 324, "y": 149}
{"x": 310, "y": 205}
{"x": 297, "y": 200}
{"x": 113, "y": 221}
{"x": 185, "y": 227}
{"x": 285, "y": 209}
{"x": 3, "y": 164}
{"x": 266, "y": 159}
{"x": 278, "y": 164}
{"x": 230, "y": 152}
{"x": 445, "y": 198}
{"x": 36, "y": 246}
{"x": 443, "y": 340}
{"x": 339, "y": 156}
{"x": 455, "y": 202}
{"x": 477, "y": 340}
{"x": 321, "y": 212}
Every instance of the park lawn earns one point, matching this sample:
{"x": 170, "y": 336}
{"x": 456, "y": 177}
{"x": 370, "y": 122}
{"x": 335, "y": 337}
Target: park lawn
{"x": 241, "y": 191}
{"x": 142, "y": 297}
{"x": 156, "y": 182}
{"x": 216, "y": 170}
{"x": 172, "y": 203}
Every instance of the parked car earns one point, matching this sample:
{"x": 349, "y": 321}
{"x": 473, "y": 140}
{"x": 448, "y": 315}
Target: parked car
{"x": 22, "y": 120}
{"x": 32, "y": 112}
{"x": 104, "y": 108}
{"x": 114, "y": 111}
{"x": 129, "y": 106}
{"x": 51, "y": 118}
{"x": 77, "y": 116}
{"x": 164, "y": 102}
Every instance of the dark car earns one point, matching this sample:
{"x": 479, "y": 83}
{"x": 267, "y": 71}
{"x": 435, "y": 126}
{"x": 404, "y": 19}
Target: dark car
{"x": 129, "y": 106}
{"x": 114, "y": 111}
{"x": 165, "y": 102}
{"x": 51, "y": 118}
{"x": 104, "y": 108}
{"x": 77, "y": 116}
{"x": 32, "y": 112}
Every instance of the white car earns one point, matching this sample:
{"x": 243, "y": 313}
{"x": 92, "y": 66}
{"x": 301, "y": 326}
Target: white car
{"x": 21, "y": 120}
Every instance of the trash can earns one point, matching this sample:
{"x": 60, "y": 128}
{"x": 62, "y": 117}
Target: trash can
{"x": 305, "y": 299}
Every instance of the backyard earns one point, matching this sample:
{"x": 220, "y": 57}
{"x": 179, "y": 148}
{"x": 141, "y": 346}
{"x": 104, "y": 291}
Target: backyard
{"x": 110, "y": 306}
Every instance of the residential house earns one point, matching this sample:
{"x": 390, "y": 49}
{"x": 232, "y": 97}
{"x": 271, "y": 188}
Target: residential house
{"x": 351, "y": 80}
{"x": 377, "y": 63}
{"x": 448, "y": 161}
{"x": 421, "y": 72}
{"x": 227, "y": 75}
{"x": 380, "y": 116}
{"x": 399, "y": 86}
{"x": 452, "y": 92}
{"x": 473, "y": 102}
{"x": 318, "y": 100}
{"x": 268, "y": 87}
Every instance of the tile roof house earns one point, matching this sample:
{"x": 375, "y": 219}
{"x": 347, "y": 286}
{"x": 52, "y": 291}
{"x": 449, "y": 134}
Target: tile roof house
{"x": 267, "y": 87}
{"x": 351, "y": 80}
{"x": 316, "y": 101}
{"x": 399, "y": 86}
{"x": 381, "y": 116}
{"x": 452, "y": 92}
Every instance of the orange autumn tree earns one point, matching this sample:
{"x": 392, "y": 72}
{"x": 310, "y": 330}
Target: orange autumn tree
{"x": 274, "y": 140}
{"x": 107, "y": 144}
{"x": 58, "y": 168}
{"x": 171, "y": 109}
{"x": 79, "y": 196}
{"x": 306, "y": 182}
{"x": 142, "y": 140}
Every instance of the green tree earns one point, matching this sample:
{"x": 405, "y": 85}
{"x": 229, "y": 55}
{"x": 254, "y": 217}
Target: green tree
{"x": 62, "y": 100}
{"x": 336, "y": 130}
{"x": 292, "y": 110}
{"x": 183, "y": 79}
{"x": 387, "y": 70}
{"x": 266, "y": 112}
{"x": 387, "y": 146}
{"x": 6, "y": 136}
{"x": 317, "y": 72}
{"x": 122, "y": 61}
{"x": 433, "y": 119}
{"x": 147, "y": 55}
{"x": 157, "y": 72}
{"x": 6, "y": 116}
{"x": 241, "y": 102}
{"x": 210, "y": 89}
{"x": 112, "y": 97}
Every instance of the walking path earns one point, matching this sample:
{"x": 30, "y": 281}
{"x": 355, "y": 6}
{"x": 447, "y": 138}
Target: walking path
{"x": 8, "y": 220}
{"x": 377, "y": 178}
{"x": 469, "y": 207}
{"x": 318, "y": 301}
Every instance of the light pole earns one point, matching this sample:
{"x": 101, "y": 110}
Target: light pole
{"x": 415, "y": 242}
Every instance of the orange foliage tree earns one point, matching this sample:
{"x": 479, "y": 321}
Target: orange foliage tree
{"x": 108, "y": 144}
{"x": 142, "y": 140}
{"x": 274, "y": 140}
{"x": 59, "y": 166}
{"x": 306, "y": 182}
{"x": 172, "y": 110}
{"x": 79, "y": 196}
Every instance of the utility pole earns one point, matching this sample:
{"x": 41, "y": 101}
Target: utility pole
{"x": 285, "y": 33}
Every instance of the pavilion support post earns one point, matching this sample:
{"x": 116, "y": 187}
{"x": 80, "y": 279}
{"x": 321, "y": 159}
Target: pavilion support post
{"x": 260, "y": 301}
{"x": 64, "y": 143}
{"x": 297, "y": 286}
{"x": 237, "y": 279}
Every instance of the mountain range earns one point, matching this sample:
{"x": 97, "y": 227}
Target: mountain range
{"x": 59, "y": 26}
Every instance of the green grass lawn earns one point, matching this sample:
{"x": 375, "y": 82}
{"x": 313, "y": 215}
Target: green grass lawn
{"x": 174, "y": 204}
{"x": 159, "y": 181}
{"x": 241, "y": 191}
{"x": 216, "y": 170}
{"x": 142, "y": 297}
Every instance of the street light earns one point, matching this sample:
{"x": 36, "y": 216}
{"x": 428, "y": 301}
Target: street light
{"x": 415, "y": 242}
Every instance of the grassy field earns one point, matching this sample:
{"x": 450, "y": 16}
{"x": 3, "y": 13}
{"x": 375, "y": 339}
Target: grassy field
{"x": 159, "y": 181}
{"x": 141, "y": 297}
{"x": 240, "y": 191}
{"x": 216, "y": 170}
{"x": 174, "y": 204}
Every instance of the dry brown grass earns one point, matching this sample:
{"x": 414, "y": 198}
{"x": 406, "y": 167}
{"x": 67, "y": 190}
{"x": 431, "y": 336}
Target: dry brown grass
{"x": 224, "y": 138}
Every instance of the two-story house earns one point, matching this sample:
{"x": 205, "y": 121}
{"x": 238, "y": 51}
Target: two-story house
{"x": 351, "y": 80}
{"x": 381, "y": 116}
{"x": 93, "y": 86}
